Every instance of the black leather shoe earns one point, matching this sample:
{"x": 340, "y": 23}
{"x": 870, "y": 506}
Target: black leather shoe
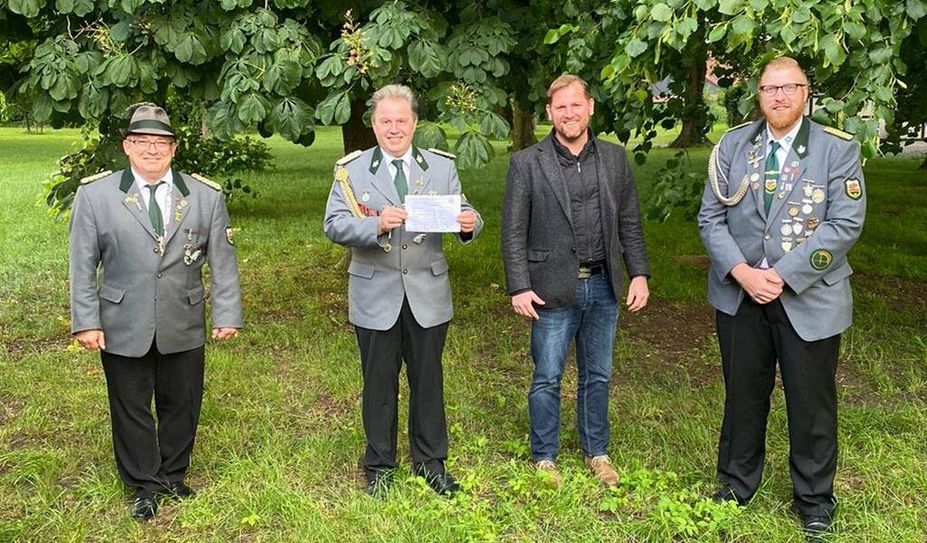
{"x": 442, "y": 483}
{"x": 180, "y": 491}
{"x": 727, "y": 494}
{"x": 379, "y": 483}
{"x": 144, "y": 508}
{"x": 815, "y": 526}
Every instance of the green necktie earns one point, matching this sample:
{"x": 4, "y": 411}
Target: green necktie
{"x": 772, "y": 176}
{"x": 402, "y": 187}
{"x": 154, "y": 212}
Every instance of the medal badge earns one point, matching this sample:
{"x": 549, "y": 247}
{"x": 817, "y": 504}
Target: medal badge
{"x": 786, "y": 229}
{"x": 365, "y": 196}
{"x": 770, "y": 185}
{"x": 133, "y": 199}
{"x": 786, "y": 246}
{"x": 817, "y": 196}
{"x": 793, "y": 209}
{"x": 811, "y": 223}
{"x": 807, "y": 209}
{"x": 191, "y": 254}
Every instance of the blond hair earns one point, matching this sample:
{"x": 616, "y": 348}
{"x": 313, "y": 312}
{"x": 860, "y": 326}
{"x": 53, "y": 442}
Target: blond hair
{"x": 388, "y": 92}
{"x": 564, "y": 81}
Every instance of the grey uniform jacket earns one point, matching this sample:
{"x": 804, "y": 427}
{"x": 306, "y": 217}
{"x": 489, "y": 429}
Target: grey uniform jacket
{"x": 124, "y": 284}
{"x": 815, "y": 218}
{"x": 538, "y": 242}
{"x": 386, "y": 268}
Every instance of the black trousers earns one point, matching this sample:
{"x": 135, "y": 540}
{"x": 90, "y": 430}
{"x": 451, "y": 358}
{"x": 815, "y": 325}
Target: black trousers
{"x": 751, "y": 344}
{"x": 150, "y": 458}
{"x": 382, "y": 353}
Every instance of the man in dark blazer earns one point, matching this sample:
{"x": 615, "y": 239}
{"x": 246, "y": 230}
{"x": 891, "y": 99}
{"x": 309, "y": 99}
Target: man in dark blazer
{"x": 783, "y": 205}
{"x": 139, "y": 239}
{"x": 570, "y": 219}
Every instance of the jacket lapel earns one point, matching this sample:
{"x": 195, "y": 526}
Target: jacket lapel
{"x": 553, "y": 173}
{"x": 417, "y": 179}
{"x": 133, "y": 201}
{"x": 180, "y": 206}
{"x": 381, "y": 179}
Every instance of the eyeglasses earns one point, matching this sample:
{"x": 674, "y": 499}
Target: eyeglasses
{"x": 159, "y": 145}
{"x": 789, "y": 89}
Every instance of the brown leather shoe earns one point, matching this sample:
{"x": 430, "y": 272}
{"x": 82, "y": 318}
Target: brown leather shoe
{"x": 601, "y": 466}
{"x": 551, "y": 471}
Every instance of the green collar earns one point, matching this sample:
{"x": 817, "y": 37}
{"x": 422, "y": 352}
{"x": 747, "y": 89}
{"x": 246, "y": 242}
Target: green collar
{"x": 377, "y": 158}
{"x": 799, "y": 145}
{"x": 128, "y": 180}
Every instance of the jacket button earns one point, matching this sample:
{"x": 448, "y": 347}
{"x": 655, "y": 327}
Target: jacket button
{"x": 159, "y": 275}
{"x": 573, "y": 249}
{"x": 405, "y": 246}
{"x": 767, "y": 237}
{"x": 404, "y": 272}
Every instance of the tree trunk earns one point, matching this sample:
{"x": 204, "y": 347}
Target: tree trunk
{"x": 522, "y": 127}
{"x": 695, "y": 112}
{"x": 355, "y": 135}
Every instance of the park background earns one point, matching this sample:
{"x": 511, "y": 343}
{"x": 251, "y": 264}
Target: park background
{"x": 280, "y": 435}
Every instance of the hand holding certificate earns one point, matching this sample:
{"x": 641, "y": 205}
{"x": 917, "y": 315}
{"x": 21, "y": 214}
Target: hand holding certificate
{"x": 437, "y": 213}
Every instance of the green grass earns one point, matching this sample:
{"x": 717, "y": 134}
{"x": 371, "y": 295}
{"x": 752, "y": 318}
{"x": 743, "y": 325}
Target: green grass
{"x": 280, "y": 434}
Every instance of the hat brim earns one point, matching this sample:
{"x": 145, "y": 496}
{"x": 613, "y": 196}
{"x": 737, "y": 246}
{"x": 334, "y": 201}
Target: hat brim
{"x": 151, "y": 127}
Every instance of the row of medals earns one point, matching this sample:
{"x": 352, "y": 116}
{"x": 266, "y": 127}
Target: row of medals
{"x": 800, "y": 223}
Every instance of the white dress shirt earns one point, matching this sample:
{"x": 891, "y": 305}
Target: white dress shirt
{"x": 162, "y": 194}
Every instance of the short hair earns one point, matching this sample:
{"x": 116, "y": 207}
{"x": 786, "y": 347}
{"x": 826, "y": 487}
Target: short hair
{"x": 564, "y": 81}
{"x": 400, "y": 92}
{"x": 782, "y": 62}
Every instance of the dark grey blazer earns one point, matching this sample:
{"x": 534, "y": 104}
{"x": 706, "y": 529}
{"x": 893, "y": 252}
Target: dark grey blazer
{"x": 538, "y": 241}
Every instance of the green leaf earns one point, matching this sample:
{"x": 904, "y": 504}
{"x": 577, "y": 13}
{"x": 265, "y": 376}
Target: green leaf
{"x": 27, "y": 8}
{"x": 265, "y": 40}
{"x": 880, "y": 55}
{"x": 93, "y": 102}
{"x": 232, "y": 40}
{"x": 252, "y": 108}
{"x": 329, "y": 69}
{"x": 129, "y": 6}
{"x": 427, "y": 58}
{"x": 64, "y": 6}
{"x": 705, "y": 5}
{"x": 283, "y": 76}
{"x": 729, "y": 7}
{"x": 343, "y": 109}
{"x": 494, "y": 125}
{"x": 717, "y": 33}
{"x": 291, "y": 118}
{"x": 325, "y": 111}
{"x": 916, "y": 9}
{"x": 635, "y": 47}
{"x": 743, "y": 26}
{"x": 122, "y": 71}
{"x": 430, "y": 135}
{"x": 42, "y": 108}
{"x": 222, "y": 120}
{"x": 661, "y": 12}
{"x": 190, "y": 49}
{"x": 473, "y": 150}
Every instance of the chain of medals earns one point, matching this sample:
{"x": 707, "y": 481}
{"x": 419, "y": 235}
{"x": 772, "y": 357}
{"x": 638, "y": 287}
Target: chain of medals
{"x": 714, "y": 182}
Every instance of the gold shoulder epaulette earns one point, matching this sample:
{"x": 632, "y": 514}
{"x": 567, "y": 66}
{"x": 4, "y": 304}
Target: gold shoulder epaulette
{"x": 451, "y": 156}
{"x": 741, "y": 125}
{"x": 839, "y": 133}
{"x": 208, "y": 182}
{"x": 95, "y": 177}
{"x": 348, "y": 157}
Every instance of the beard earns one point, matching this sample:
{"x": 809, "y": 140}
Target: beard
{"x": 784, "y": 118}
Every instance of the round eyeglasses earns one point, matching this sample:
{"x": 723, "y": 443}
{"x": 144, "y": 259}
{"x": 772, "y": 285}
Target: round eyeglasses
{"x": 789, "y": 88}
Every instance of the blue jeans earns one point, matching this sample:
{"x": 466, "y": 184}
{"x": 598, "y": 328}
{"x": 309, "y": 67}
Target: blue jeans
{"x": 591, "y": 321}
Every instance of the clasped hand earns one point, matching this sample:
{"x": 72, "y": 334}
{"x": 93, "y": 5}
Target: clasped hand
{"x": 763, "y": 286}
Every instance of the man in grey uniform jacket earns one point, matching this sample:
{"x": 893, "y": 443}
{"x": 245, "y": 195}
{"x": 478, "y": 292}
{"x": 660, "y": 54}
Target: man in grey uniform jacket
{"x": 783, "y": 206}
{"x": 139, "y": 239}
{"x": 399, "y": 295}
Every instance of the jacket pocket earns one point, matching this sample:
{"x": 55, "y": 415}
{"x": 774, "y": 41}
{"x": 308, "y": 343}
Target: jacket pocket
{"x": 195, "y": 295}
{"x": 835, "y": 276}
{"x": 537, "y": 256}
{"x": 361, "y": 269}
{"x": 439, "y": 266}
{"x": 111, "y": 294}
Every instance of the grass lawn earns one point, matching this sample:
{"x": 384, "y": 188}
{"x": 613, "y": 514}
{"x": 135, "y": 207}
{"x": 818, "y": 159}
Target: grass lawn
{"x": 280, "y": 434}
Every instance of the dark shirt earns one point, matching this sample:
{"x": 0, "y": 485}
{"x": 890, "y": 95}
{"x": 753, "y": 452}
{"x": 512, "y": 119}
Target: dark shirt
{"x": 582, "y": 181}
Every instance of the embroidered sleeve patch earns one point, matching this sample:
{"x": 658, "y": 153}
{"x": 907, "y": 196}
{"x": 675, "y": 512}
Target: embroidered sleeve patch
{"x": 230, "y": 235}
{"x": 821, "y": 259}
{"x": 853, "y": 188}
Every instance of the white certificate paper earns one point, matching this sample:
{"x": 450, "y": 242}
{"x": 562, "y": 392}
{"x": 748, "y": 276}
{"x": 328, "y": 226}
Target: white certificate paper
{"x": 432, "y": 213}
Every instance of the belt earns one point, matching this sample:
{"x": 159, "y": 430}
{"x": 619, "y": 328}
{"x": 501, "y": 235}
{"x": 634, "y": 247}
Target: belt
{"x": 588, "y": 269}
